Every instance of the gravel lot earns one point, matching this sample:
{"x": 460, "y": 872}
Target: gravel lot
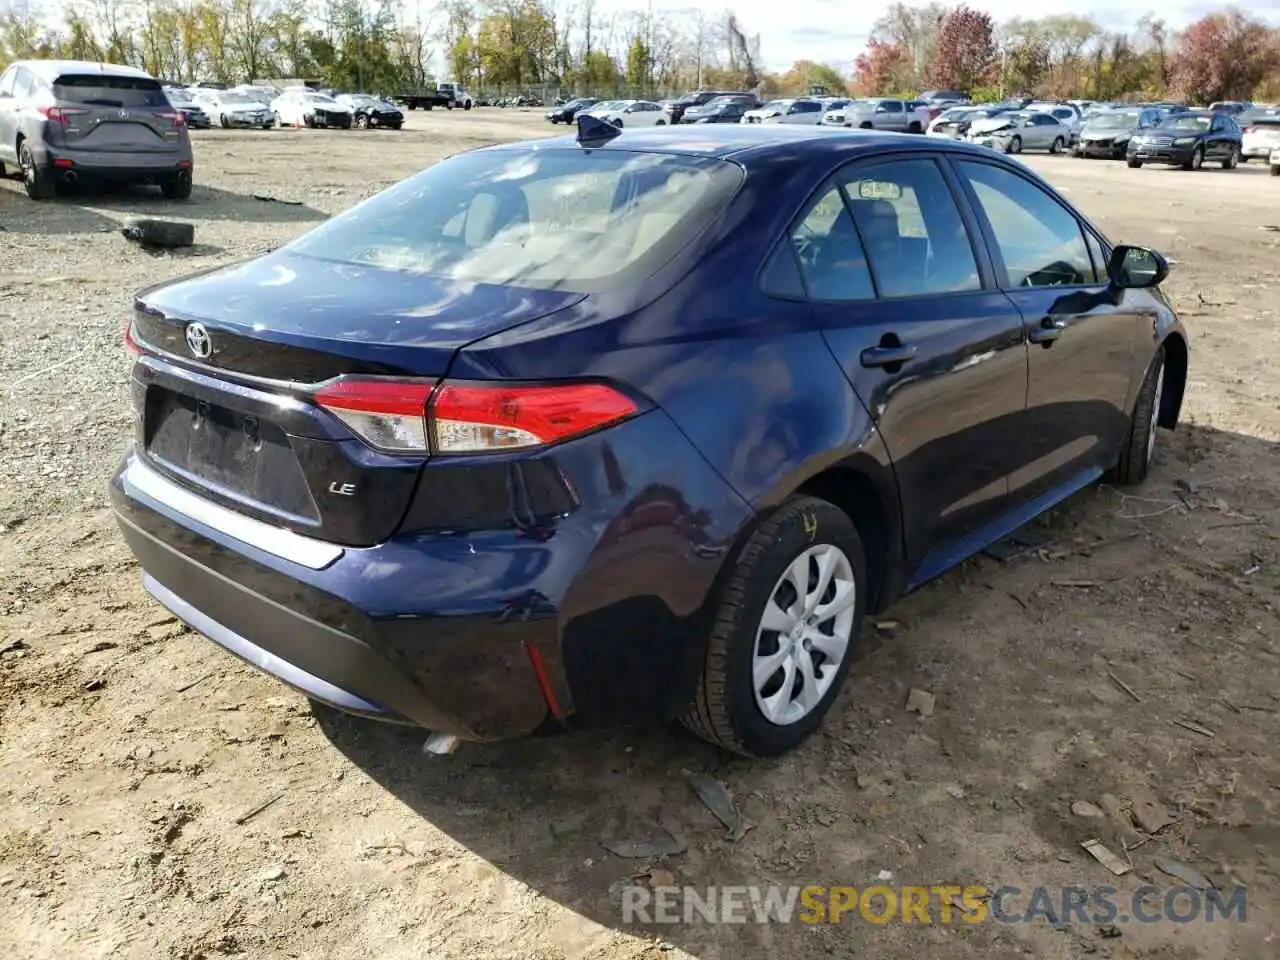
{"x": 130, "y": 747}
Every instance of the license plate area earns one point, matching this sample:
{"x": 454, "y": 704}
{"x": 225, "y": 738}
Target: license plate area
{"x": 236, "y": 455}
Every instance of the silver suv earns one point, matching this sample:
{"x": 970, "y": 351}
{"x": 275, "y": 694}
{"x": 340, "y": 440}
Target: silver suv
{"x": 67, "y": 122}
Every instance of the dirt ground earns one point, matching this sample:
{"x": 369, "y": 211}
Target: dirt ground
{"x": 132, "y": 749}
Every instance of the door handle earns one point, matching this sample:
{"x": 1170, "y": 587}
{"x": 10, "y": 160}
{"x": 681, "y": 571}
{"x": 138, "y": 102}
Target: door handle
{"x": 886, "y": 356}
{"x": 1049, "y": 331}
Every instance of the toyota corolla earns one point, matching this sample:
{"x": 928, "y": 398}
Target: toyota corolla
{"x": 631, "y": 426}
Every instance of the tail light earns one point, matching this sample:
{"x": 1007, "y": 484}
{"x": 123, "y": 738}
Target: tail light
{"x": 130, "y": 344}
{"x": 62, "y": 115}
{"x": 177, "y": 116}
{"x": 420, "y": 416}
{"x": 388, "y": 414}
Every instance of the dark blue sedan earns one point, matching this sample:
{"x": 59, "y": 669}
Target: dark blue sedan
{"x": 631, "y": 426}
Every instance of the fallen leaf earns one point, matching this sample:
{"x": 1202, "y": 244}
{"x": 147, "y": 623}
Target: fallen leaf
{"x": 1188, "y": 875}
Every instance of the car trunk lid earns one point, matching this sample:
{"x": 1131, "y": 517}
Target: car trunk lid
{"x": 114, "y": 114}
{"x": 232, "y": 358}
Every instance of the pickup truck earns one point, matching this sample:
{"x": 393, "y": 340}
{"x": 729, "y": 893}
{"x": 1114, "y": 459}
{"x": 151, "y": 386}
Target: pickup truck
{"x": 883, "y": 113}
{"x": 447, "y": 95}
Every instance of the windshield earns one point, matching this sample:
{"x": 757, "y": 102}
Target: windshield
{"x": 553, "y": 219}
{"x": 1119, "y": 120}
{"x": 363, "y": 99}
{"x": 1190, "y": 123}
{"x": 607, "y": 105}
{"x": 776, "y": 105}
{"x": 958, "y": 114}
{"x": 236, "y": 98}
{"x": 107, "y": 91}
{"x": 316, "y": 98}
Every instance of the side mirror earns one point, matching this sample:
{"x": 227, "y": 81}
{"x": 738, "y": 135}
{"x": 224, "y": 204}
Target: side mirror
{"x": 1135, "y": 268}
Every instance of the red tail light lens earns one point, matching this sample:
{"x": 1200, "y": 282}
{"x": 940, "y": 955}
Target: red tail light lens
{"x": 388, "y": 414}
{"x": 177, "y": 116}
{"x": 478, "y": 418}
{"x": 414, "y": 416}
{"x": 61, "y": 115}
{"x": 130, "y": 344}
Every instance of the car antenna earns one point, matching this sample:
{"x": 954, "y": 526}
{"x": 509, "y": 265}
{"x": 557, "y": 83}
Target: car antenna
{"x": 592, "y": 131}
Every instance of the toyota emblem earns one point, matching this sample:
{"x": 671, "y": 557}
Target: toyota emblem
{"x": 198, "y": 341}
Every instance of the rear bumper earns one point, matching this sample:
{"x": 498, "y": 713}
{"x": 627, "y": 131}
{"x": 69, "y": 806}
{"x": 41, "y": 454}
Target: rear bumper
{"x": 606, "y": 607}
{"x": 1260, "y": 152}
{"x": 125, "y": 165}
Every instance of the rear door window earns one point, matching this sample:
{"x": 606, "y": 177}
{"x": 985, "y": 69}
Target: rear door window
{"x": 25, "y": 84}
{"x": 830, "y": 254}
{"x": 911, "y": 228}
{"x": 97, "y": 90}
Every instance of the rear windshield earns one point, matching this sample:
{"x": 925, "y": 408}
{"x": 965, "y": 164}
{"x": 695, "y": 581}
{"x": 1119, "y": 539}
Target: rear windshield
{"x": 551, "y": 219}
{"x": 1118, "y": 120}
{"x": 97, "y": 90}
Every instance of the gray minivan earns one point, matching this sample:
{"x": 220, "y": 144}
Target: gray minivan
{"x": 68, "y": 122}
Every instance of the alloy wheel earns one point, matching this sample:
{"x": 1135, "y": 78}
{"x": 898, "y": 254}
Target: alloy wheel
{"x": 28, "y": 165}
{"x": 804, "y": 634}
{"x": 1155, "y": 415}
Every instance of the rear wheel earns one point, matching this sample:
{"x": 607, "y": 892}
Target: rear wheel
{"x": 1140, "y": 446}
{"x": 784, "y": 631}
{"x": 178, "y": 187}
{"x": 37, "y": 180}
{"x": 1230, "y": 162}
{"x": 1135, "y": 164}
{"x": 1056, "y": 146}
{"x": 362, "y": 122}
{"x": 1195, "y": 161}
{"x": 222, "y": 120}
{"x": 865, "y": 125}
{"x": 914, "y": 127}
{"x": 1015, "y": 145}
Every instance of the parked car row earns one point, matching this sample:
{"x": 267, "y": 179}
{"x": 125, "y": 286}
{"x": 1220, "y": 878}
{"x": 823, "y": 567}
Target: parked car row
{"x": 265, "y": 107}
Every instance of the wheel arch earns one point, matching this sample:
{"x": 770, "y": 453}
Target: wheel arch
{"x": 1175, "y": 379}
{"x": 849, "y": 486}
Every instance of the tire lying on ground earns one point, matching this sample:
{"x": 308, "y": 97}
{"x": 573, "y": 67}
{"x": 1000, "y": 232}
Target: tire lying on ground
{"x": 159, "y": 233}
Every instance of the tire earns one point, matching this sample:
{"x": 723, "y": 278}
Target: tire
{"x": 727, "y": 708}
{"x": 865, "y": 125}
{"x": 1139, "y": 446}
{"x": 222, "y": 121}
{"x": 1195, "y": 161}
{"x": 361, "y": 122}
{"x": 1015, "y": 145}
{"x": 1056, "y": 146}
{"x": 395, "y": 126}
{"x": 661, "y": 123}
{"x": 914, "y": 127}
{"x": 618, "y": 123}
{"x": 467, "y": 105}
{"x": 36, "y": 180}
{"x": 160, "y": 233}
{"x": 1275, "y": 169}
{"x": 1230, "y": 162}
{"x": 177, "y": 188}
{"x": 1134, "y": 164}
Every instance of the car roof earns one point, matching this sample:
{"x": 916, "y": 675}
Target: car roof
{"x": 748, "y": 142}
{"x": 50, "y": 70}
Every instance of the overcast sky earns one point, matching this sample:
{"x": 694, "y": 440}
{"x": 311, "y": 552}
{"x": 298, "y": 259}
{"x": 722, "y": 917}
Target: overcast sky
{"x": 835, "y": 31}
